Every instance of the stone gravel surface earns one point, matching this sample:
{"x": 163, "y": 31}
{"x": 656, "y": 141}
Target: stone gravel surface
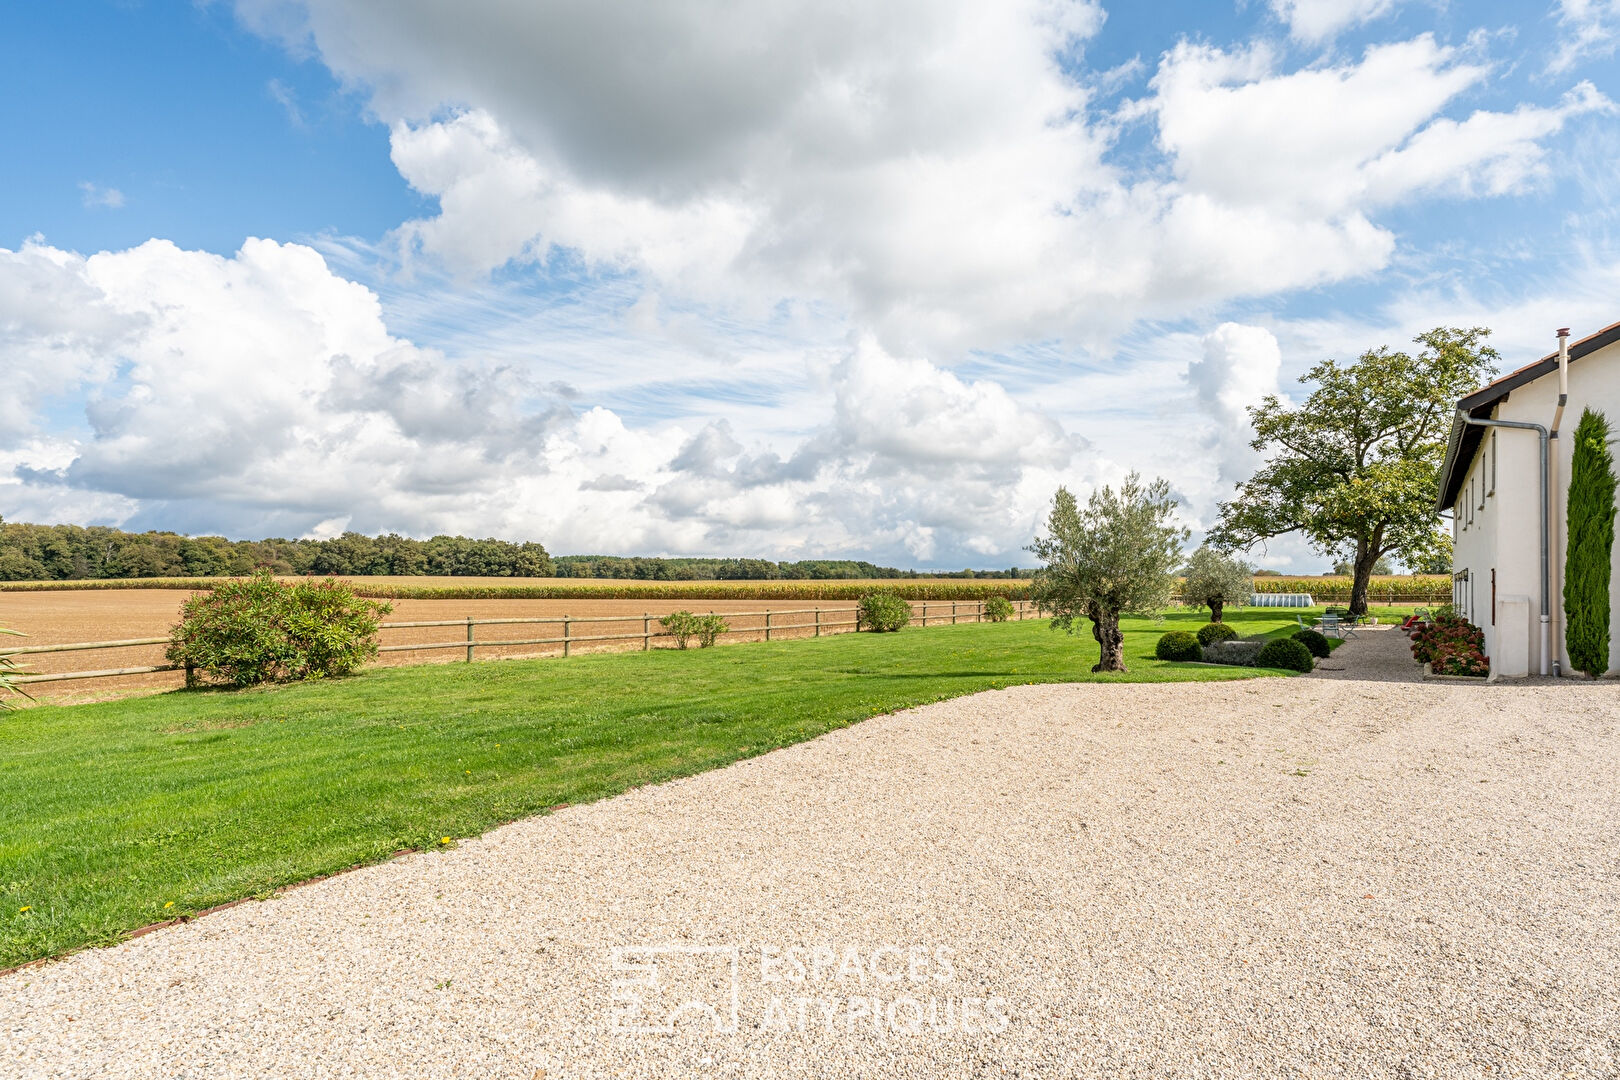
{"x": 1275, "y": 878}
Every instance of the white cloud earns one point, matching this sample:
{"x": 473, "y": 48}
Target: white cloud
{"x": 1244, "y": 134}
{"x": 263, "y": 394}
{"x": 1239, "y": 367}
{"x": 1314, "y": 21}
{"x": 1594, "y": 29}
{"x": 936, "y": 172}
{"x": 97, "y": 197}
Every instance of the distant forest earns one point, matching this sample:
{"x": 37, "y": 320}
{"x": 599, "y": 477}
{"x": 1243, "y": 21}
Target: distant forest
{"x": 73, "y": 552}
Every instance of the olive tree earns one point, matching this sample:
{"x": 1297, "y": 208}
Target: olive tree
{"x": 1355, "y": 468}
{"x": 1118, "y": 556}
{"x": 1214, "y": 580}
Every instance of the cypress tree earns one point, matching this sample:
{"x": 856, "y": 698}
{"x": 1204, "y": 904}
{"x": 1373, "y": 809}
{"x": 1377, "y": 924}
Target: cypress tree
{"x": 1590, "y": 524}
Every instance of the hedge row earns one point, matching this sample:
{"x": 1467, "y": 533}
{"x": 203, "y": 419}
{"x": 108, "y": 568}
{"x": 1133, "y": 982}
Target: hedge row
{"x": 609, "y": 589}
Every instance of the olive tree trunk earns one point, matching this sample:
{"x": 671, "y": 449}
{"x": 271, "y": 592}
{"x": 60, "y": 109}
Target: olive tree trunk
{"x": 1215, "y": 610}
{"x": 1111, "y": 642}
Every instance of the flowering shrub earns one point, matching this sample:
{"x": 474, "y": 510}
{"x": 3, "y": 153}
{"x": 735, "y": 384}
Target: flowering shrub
{"x": 1460, "y": 641}
{"x": 1455, "y": 659}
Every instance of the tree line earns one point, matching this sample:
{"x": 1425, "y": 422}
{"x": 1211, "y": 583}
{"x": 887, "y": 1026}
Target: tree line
{"x": 72, "y": 552}
{"x": 710, "y": 569}
{"x": 78, "y": 553}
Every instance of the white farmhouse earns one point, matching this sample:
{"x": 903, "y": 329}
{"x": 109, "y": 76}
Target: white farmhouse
{"x": 1508, "y": 506}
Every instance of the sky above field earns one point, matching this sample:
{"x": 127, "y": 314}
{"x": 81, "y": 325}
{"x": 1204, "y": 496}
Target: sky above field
{"x": 782, "y": 278}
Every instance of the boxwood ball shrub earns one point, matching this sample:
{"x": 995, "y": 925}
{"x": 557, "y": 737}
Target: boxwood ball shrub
{"x": 257, "y": 629}
{"x": 882, "y": 613}
{"x": 998, "y": 609}
{"x": 1210, "y": 633}
{"x": 1314, "y": 640}
{"x": 1285, "y": 653}
{"x": 1178, "y": 645}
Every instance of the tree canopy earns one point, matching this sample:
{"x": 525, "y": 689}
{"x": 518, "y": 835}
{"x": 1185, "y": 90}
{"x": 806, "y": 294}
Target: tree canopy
{"x": 1355, "y": 468}
{"x": 1116, "y": 557}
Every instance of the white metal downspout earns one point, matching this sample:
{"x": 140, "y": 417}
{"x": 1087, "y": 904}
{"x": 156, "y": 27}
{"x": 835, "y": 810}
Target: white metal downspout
{"x": 1552, "y": 473}
{"x": 1546, "y": 580}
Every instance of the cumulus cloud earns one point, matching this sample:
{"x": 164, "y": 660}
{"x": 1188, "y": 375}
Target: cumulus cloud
{"x": 1239, "y": 367}
{"x": 1243, "y": 133}
{"x": 938, "y": 170}
{"x": 263, "y": 393}
{"x": 1314, "y": 21}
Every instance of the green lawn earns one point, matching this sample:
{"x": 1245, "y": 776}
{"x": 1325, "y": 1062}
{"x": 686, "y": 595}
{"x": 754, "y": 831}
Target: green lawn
{"x": 119, "y": 814}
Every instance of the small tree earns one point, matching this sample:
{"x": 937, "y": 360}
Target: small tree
{"x": 1591, "y": 545}
{"x": 1215, "y": 580}
{"x": 1116, "y": 557}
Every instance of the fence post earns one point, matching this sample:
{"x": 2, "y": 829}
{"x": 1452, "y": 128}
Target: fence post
{"x": 767, "y": 626}
{"x": 953, "y": 612}
{"x": 818, "y": 622}
{"x": 646, "y": 631}
{"x": 469, "y": 639}
{"x": 925, "y": 613}
{"x": 567, "y": 632}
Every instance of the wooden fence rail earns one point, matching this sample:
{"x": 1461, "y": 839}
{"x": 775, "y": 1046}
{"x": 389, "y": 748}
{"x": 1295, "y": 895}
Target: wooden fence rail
{"x": 922, "y": 612}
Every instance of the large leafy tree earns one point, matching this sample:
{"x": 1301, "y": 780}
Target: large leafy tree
{"x": 1356, "y": 468}
{"x": 1118, "y": 556}
{"x": 1214, "y": 580}
{"x": 1591, "y": 546}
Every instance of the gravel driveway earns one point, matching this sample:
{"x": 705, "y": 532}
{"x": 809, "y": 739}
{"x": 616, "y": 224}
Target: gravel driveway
{"x": 1272, "y": 878}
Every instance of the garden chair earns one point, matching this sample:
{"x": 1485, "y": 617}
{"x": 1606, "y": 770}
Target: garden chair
{"x": 1347, "y": 626}
{"x": 1330, "y": 624}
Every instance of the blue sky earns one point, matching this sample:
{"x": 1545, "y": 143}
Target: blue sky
{"x": 779, "y": 280}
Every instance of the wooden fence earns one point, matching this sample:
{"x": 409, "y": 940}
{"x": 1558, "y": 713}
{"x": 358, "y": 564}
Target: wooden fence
{"x": 924, "y": 613}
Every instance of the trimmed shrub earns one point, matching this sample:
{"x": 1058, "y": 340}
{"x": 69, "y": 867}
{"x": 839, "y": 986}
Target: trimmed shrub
{"x": 1591, "y": 544}
{"x": 256, "y": 629}
{"x": 683, "y": 626}
{"x": 1236, "y": 653}
{"x": 998, "y": 609}
{"x": 1178, "y": 645}
{"x": 1284, "y": 653}
{"x": 1314, "y": 640}
{"x": 1210, "y": 633}
{"x": 882, "y": 613}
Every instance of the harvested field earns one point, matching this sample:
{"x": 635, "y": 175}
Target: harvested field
{"x": 52, "y": 617}
{"x": 516, "y": 588}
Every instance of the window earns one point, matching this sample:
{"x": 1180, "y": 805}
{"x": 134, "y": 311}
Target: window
{"x": 1493, "y": 465}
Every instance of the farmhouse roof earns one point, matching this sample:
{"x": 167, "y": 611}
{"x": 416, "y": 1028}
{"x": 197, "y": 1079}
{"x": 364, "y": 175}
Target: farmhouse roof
{"x": 1465, "y": 438}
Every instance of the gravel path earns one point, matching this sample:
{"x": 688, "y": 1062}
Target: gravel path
{"x": 1375, "y": 654}
{"x": 1277, "y": 878}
